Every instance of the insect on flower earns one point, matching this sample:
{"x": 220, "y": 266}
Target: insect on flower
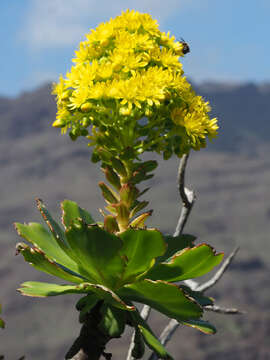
{"x": 186, "y": 48}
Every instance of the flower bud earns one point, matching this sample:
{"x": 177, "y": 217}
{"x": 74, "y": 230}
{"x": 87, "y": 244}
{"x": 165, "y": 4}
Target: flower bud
{"x": 86, "y": 107}
{"x": 59, "y": 123}
{"x": 86, "y": 122}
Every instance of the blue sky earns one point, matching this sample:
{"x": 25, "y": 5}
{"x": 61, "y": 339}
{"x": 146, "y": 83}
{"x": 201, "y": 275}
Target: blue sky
{"x": 229, "y": 39}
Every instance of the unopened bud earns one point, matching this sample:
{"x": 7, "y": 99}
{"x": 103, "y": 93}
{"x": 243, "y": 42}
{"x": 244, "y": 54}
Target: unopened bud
{"x": 86, "y": 122}
{"x": 86, "y": 107}
{"x": 59, "y": 123}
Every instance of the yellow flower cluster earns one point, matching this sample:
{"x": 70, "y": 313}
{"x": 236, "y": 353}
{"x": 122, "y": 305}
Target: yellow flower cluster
{"x": 127, "y": 70}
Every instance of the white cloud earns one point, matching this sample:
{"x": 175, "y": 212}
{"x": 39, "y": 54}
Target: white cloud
{"x": 61, "y": 23}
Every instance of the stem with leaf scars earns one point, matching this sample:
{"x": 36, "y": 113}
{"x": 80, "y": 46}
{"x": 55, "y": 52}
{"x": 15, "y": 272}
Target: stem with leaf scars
{"x": 91, "y": 342}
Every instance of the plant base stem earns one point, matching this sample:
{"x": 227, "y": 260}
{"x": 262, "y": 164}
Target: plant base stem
{"x": 91, "y": 342}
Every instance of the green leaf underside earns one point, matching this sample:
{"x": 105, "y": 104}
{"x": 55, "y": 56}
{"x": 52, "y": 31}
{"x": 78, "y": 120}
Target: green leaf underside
{"x": 113, "y": 321}
{"x": 164, "y": 297}
{"x": 175, "y": 244}
{"x": 37, "y": 235}
{"x": 197, "y": 296}
{"x": 150, "y": 339}
{"x": 97, "y": 252}
{"x": 72, "y": 211}
{"x": 201, "y": 325}
{"x": 188, "y": 264}
{"x": 39, "y": 261}
{"x": 42, "y": 289}
{"x": 140, "y": 247}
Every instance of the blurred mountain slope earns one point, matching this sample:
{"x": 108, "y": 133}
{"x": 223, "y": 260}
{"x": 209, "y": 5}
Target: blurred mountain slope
{"x": 231, "y": 179}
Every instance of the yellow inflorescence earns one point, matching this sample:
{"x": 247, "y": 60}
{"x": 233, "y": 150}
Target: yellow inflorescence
{"x": 126, "y": 70}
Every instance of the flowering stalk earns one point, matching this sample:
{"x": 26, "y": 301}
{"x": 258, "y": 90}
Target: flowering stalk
{"x": 127, "y": 94}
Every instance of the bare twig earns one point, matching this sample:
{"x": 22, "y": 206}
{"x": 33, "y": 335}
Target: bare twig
{"x": 173, "y": 324}
{"x": 221, "y": 310}
{"x": 210, "y": 283}
{"x": 145, "y": 315}
{"x": 188, "y": 199}
{"x": 145, "y": 312}
{"x": 187, "y": 196}
{"x": 168, "y": 331}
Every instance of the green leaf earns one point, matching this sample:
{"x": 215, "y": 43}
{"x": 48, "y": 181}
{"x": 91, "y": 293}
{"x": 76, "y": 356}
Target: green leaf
{"x": 39, "y": 261}
{"x": 201, "y": 325}
{"x": 113, "y": 321}
{"x": 97, "y": 252}
{"x": 188, "y": 264}
{"x": 55, "y": 229}
{"x": 140, "y": 247}
{"x": 72, "y": 211}
{"x": 85, "y": 305}
{"x": 37, "y": 235}
{"x": 197, "y": 296}
{"x": 41, "y": 289}
{"x": 150, "y": 339}
{"x": 138, "y": 348}
{"x": 61, "y": 240}
{"x": 175, "y": 244}
{"x": 164, "y": 297}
